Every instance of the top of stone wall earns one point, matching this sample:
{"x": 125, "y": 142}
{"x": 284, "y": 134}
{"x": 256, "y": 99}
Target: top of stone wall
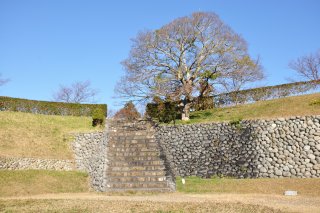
{"x": 247, "y": 121}
{"x": 75, "y": 134}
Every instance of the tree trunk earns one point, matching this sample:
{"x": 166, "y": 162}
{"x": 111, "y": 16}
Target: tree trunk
{"x": 186, "y": 111}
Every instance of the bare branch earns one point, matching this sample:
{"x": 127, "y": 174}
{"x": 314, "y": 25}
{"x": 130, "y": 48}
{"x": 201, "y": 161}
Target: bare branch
{"x": 78, "y": 92}
{"x": 307, "y": 67}
{"x": 183, "y": 59}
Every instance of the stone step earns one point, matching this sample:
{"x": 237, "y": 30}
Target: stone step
{"x": 130, "y": 137}
{"x": 128, "y": 142}
{"x": 135, "y": 173}
{"x": 140, "y": 189}
{"x": 135, "y": 132}
{"x": 133, "y": 158}
{"x": 134, "y": 154}
{"x": 132, "y": 149}
{"x": 135, "y": 168}
{"x": 129, "y": 130}
{"x": 132, "y": 145}
{"x": 138, "y": 179}
{"x": 130, "y": 124}
{"x": 132, "y": 185}
{"x": 136, "y": 163}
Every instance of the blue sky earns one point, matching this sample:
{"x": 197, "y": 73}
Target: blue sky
{"x": 45, "y": 43}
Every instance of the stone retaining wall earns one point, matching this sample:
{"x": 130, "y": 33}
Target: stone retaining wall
{"x": 260, "y": 148}
{"x": 37, "y": 164}
{"x": 90, "y": 152}
{"x": 249, "y": 149}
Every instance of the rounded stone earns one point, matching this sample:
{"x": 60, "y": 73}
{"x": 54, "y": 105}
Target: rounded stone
{"x": 263, "y": 170}
{"x": 306, "y": 148}
{"x": 311, "y": 156}
{"x": 278, "y": 172}
{"x": 286, "y": 174}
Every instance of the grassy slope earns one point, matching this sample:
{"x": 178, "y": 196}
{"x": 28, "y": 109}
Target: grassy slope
{"x": 39, "y": 136}
{"x": 18, "y": 183}
{"x": 305, "y": 187}
{"x": 283, "y": 107}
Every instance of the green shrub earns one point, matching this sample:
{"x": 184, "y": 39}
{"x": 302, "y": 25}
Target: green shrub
{"x": 315, "y": 103}
{"x": 163, "y": 110}
{"x": 203, "y": 103}
{"x": 98, "y": 117}
{"x": 236, "y": 122}
{"x": 49, "y": 108}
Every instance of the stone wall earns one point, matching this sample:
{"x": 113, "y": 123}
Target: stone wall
{"x": 259, "y": 148}
{"x": 90, "y": 155}
{"x": 37, "y": 164}
{"x": 90, "y": 152}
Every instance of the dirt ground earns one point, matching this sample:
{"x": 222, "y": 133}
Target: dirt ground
{"x": 168, "y": 202}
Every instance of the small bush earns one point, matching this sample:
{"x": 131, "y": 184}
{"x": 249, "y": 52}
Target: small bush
{"x": 236, "y": 122}
{"x": 315, "y": 103}
{"x": 164, "y": 111}
{"x": 98, "y": 117}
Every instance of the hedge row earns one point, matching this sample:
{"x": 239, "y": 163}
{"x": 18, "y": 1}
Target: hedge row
{"x": 264, "y": 93}
{"x": 50, "y": 108}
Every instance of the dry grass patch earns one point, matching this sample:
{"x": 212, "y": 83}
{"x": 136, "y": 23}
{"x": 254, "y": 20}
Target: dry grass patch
{"x": 39, "y": 136}
{"x": 283, "y": 107}
{"x": 30, "y": 182}
{"x": 304, "y": 186}
{"x": 126, "y": 206}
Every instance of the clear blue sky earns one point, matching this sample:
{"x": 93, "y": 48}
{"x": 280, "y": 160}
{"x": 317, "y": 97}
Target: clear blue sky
{"x": 45, "y": 43}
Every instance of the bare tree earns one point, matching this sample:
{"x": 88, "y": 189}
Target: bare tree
{"x": 78, "y": 92}
{"x": 307, "y": 67}
{"x": 3, "y": 81}
{"x": 182, "y": 60}
{"x": 241, "y": 76}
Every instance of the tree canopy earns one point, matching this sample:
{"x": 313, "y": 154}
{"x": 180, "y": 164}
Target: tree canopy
{"x": 128, "y": 112}
{"x": 186, "y": 59}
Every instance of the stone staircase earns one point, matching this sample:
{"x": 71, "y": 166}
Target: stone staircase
{"x": 135, "y": 162}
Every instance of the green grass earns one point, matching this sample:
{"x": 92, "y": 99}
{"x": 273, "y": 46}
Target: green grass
{"x": 282, "y": 107}
{"x": 39, "y": 136}
{"x": 29, "y": 182}
{"x": 307, "y": 186}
